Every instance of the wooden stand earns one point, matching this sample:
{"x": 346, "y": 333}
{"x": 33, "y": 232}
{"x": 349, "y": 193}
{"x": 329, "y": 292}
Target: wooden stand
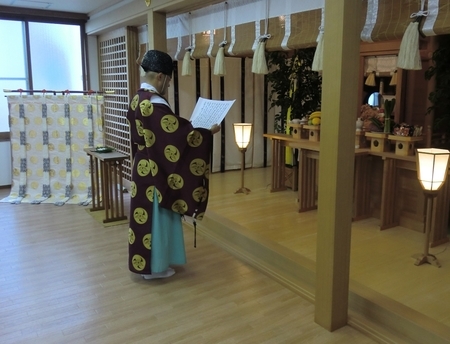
{"x": 426, "y": 257}
{"x": 314, "y": 132}
{"x": 296, "y": 130}
{"x": 379, "y": 141}
{"x": 106, "y": 183}
{"x": 360, "y": 139}
{"x": 404, "y": 145}
{"x": 243, "y": 189}
{"x": 291, "y": 177}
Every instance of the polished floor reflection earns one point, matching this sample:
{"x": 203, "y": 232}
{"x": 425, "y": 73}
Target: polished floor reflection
{"x": 380, "y": 260}
{"x": 64, "y": 279}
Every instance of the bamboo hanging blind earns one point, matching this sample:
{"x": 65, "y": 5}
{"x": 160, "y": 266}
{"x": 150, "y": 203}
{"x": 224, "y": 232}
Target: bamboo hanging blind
{"x": 392, "y": 19}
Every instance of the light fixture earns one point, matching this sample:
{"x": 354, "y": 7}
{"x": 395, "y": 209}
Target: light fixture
{"x": 242, "y": 133}
{"x": 148, "y": 2}
{"x": 432, "y": 169}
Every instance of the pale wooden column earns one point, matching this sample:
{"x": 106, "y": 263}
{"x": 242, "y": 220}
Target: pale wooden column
{"x": 337, "y": 153}
{"x": 157, "y": 37}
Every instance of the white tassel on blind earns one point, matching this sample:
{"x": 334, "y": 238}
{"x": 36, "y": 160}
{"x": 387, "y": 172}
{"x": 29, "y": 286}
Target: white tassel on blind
{"x": 219, "y": 65}
{"x": 370, "y": 80}
{"x": 409, "y": 54}
{"x": 317, "y": 64}
{"x": 393, "y": 81}
{"x": 259, "y": 64}
{"x": 186, "y": 68}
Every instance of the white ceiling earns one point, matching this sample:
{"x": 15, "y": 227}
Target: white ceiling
{"x": 92, "y": 7}
{"x": 77, "y": 6}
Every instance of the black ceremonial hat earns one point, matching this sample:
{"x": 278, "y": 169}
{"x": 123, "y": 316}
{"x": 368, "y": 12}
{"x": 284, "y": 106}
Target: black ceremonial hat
{"x": 157, "y": 61}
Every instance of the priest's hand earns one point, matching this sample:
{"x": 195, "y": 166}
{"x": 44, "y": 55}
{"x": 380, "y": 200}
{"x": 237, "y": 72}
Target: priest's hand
{"x": 215, "y": 128}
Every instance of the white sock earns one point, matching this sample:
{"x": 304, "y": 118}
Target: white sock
{"x": 169, "y": 272}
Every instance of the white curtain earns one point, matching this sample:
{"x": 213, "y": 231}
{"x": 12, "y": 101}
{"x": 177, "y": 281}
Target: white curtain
{"x": 48, "y": 135}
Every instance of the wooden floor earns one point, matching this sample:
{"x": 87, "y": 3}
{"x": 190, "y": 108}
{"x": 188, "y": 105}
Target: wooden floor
{"x": 380, "y": 260}
{"x": 64, "y": 279}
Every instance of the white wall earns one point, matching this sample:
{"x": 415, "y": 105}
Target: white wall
{"x": 5, "y": 158}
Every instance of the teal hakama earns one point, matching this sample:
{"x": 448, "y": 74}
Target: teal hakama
{"x": 167, "y": 239}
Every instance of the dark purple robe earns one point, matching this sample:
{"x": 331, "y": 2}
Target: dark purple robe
{"x": 171, "y": 159}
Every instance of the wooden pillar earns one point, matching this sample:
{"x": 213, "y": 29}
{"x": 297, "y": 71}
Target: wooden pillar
{"x": 337, "y": 154}
{"x": 157, "y": 38}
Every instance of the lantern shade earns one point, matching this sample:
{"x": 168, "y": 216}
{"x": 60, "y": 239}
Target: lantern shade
{"x": 242, "y": 132}
{"x": 432, "y": 167}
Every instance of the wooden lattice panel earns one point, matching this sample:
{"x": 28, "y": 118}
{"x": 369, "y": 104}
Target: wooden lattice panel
{"x": 117, "y": 55}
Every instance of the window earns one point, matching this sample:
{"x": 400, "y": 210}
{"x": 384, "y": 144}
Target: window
{"x": 13, "y": 67}
{"x": 55, "y": 53}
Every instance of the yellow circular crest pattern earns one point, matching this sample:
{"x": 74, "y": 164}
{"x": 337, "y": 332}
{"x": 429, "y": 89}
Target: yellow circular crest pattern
{"x": 179, "y": 206}
{"x": 198, "y": 167}
{"x": 147, "y": 241}
{"x": 172, "y": 153}
{"x": 146, "y": 107}
{"x": 138, "y": 262}
{"x": 143, "y": 168}
{"x": 62, "y": 147}
{"x": 170, "y": 123}
{"x": 200, "y": 194}
{"x": 131, "y": 236}
{"x": 153, "y": 167}
{"x": 134, "y": 102}
{"x": 149, "y": 138}
{"x": 175, "y": 181}
{"x": 133, "y": 189}
{"x": 150, "y": 193}
{"x": 139, "y": 128}
{"x": 194, "y": 138}
{"x": 140, "y": 215}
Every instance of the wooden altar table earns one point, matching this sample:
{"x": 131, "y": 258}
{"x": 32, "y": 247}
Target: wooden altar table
{"x": 393, "y": 165}
{"x": 106, "y": 183}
